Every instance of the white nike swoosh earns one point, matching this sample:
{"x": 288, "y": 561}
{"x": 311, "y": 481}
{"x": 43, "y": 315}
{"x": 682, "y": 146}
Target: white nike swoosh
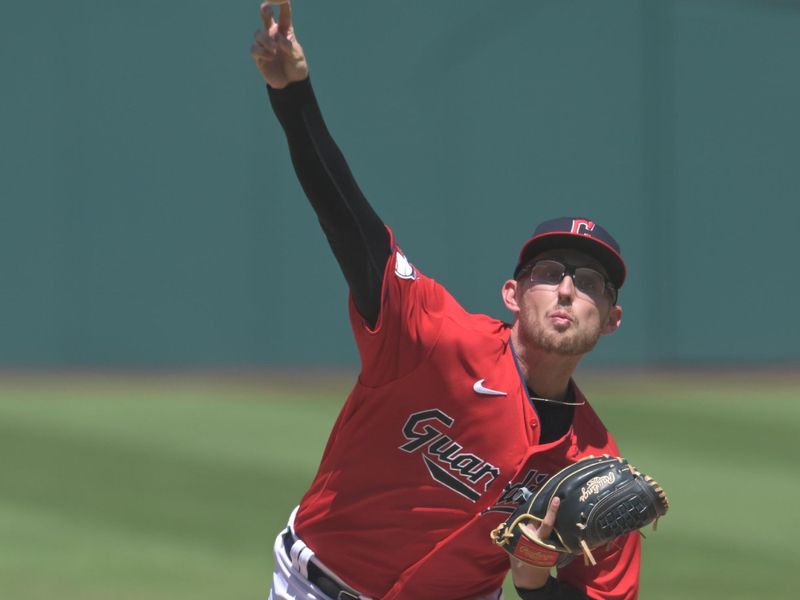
{"x": 478, "y": 387}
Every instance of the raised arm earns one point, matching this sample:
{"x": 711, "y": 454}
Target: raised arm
{"x": 357, "y": 236}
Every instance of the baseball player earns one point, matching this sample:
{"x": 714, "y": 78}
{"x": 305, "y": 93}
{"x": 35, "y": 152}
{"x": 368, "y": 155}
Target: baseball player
{"x": 453, "y": 413}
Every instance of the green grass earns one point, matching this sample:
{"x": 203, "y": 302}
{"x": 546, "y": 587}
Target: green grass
{"x": 122, "y": 488}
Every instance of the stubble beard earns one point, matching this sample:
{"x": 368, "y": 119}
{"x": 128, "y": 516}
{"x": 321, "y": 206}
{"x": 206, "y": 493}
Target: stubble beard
{"x": 571, "y": 342}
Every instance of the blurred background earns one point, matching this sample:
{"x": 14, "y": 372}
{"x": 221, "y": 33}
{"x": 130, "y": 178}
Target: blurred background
{"x": 173, "y": 322}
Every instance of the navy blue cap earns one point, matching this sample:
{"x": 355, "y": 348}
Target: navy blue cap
{"x": 580, "y": 234}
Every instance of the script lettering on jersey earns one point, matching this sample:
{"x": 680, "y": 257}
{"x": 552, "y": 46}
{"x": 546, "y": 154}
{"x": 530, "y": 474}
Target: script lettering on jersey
{"x": 509, "y": 499}
{"x": 444, "y": 457}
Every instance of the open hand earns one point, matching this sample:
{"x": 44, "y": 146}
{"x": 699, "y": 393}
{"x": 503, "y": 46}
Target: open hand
{"x": 276, "y": 51}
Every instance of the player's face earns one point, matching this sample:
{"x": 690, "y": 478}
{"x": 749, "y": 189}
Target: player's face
{"x": 562, "y": 315}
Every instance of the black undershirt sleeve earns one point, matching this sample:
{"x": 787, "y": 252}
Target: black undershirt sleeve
{"x": 357, "y": 236}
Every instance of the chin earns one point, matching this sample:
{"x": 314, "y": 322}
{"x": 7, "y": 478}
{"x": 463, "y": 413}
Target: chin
{"x": 568, "y": 343}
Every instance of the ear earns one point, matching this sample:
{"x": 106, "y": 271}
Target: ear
{"x": 509, "y": 295}
{"x": 613, "y": 321}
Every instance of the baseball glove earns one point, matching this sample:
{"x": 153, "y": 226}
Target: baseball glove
{"x": 601, "y": 499}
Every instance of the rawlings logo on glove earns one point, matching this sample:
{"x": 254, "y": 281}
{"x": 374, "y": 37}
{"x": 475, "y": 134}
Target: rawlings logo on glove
{"x": 601, "y": 498}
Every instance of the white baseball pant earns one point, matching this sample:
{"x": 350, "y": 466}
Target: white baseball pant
{"x": 289, "y": 577}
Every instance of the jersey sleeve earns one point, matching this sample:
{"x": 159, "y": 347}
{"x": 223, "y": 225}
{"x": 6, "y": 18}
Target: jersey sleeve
{"x": 408, "y": 326}
{"x": 616, "y": 575}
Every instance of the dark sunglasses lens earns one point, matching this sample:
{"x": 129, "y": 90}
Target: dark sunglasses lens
{"x": 590, "y": 281}
{"x": 548, "y": 272}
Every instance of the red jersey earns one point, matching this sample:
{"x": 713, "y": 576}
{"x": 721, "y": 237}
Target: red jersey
{"x": 429, "y": 450}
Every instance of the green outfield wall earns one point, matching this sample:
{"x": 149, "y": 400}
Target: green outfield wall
{"x": 151, "y": 217}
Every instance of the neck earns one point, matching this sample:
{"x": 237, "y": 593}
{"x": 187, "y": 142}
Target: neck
{"x": 547, "y": 374}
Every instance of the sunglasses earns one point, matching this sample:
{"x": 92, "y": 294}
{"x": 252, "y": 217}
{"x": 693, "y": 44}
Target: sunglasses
{"x": 588, "y": 281}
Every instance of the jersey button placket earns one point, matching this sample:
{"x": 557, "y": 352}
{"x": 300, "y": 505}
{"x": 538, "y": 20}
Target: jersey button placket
{"x": 534, "y": 423}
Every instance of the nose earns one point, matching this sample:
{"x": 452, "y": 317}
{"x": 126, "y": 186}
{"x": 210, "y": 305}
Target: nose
{"x": 566, "y": 289}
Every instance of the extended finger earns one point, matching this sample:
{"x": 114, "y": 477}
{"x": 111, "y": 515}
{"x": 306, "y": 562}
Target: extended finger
{"x": 266, "y": 15}
{"x": 549, "y": 521}
{"x": 285, "y": 18}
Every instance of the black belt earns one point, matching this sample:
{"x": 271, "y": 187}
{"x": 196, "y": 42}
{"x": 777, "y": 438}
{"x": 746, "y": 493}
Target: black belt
{"x": 318, "y": 577}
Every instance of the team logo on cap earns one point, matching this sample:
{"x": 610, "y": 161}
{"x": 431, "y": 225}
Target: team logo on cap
{"x": 582, "y": 227}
